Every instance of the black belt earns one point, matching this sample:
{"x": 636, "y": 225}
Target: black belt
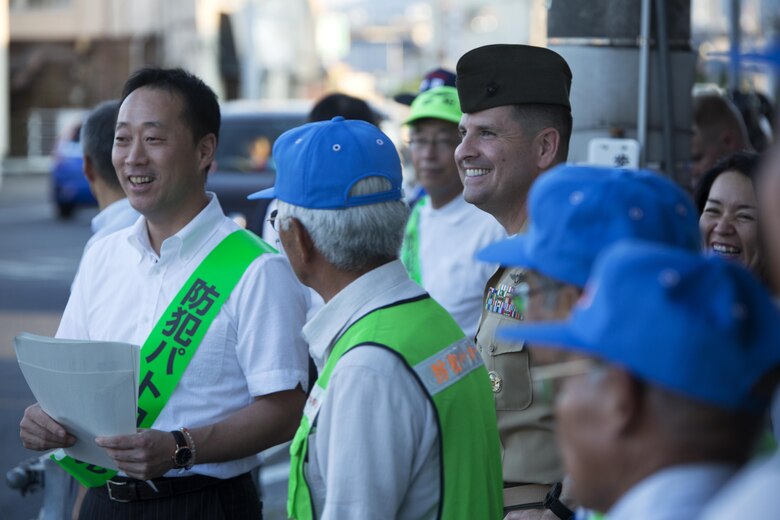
{"x": 535, "y": 496}
{"x": 125, "y": 489}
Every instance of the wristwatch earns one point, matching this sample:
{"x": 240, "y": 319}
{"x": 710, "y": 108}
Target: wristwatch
{"x": 182, "y": 457}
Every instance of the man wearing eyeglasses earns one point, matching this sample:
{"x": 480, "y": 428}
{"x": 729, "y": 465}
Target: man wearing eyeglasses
{"x": 441, "y": 222}
{"x": 399, "y": 423}
{"x": 574, "y": 213}
{"x": 670, "y": 358}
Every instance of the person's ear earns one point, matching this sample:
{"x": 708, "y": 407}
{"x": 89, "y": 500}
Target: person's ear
{"x": 546, "y": 145}
{"x": 623, "y": 402}
{"x": 89, "y": 170}
{"x": 303, "y": 245}
{"x": 207, "y": 147}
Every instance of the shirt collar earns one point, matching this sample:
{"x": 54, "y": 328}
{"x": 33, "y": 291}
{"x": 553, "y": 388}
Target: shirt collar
{"x": 382, "y": 286}
{"x": 187, "y": 241}
{"x": 683, "y": 490}
{"x": 453, "y": 210}
{"x": 108, "y": 214}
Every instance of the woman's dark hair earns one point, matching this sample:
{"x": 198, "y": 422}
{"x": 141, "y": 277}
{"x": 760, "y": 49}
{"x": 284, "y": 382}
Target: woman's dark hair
{"x": 745, "y": 163}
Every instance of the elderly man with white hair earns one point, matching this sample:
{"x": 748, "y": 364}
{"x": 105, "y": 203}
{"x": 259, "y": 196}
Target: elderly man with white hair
{"x": 400, "y": 422}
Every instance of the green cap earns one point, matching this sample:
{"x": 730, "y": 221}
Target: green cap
{"x": 502, "y": 74}
{"x": 436, "y": 103}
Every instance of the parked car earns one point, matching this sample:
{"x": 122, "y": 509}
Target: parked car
{"x": 242, "y": 165}
{"x": 243, "y": 162}
{"x": 70, "y": 188}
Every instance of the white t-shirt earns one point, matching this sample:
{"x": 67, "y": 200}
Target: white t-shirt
{"x": 252, "y": 348}
{"x": 449, "y": 238}
{"x": 375, "y": 451}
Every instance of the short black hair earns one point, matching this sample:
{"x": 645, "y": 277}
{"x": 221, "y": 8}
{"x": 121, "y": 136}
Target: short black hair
{"x": 536, "y": 116}
{"x": 343, "y": 105}
{"x": 745, "y": 163}
{"x": 201, "y": 108}
{"x": 97, "y": 140}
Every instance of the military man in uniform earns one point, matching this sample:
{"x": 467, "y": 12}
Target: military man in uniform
{"x": 516, "y": 124}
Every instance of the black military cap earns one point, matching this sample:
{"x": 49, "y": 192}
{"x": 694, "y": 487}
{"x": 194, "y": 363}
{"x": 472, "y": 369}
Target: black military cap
{"x": 502, "y": 74}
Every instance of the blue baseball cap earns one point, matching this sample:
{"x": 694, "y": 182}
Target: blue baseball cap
{"x": 318, "y": 163}
{"x": 576, "y": 211}
{"x": 697, "y": 325}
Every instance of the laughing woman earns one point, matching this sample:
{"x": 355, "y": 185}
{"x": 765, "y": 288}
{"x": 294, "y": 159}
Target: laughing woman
{"x": 726, "y": 199}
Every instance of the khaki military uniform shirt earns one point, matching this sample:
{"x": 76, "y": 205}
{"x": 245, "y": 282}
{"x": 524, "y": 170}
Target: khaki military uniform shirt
{"x": 525, "y": 420}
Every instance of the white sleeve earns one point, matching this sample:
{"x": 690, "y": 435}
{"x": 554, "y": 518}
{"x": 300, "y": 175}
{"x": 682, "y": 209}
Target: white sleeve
{"x": 376, "y": 433}
{"x": 271, "y": 311}
{"x": 73, "y": 324}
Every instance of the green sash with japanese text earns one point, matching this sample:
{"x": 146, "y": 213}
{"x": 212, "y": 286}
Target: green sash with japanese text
{"x": 167, "y": 351}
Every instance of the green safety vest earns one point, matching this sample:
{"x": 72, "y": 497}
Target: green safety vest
{"x": 173, "y": 341}
{"x": 410, "y": 247}
{"x": 451, "y": 372}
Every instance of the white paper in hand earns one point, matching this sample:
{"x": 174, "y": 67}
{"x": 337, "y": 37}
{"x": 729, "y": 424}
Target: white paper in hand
{"x": 90, "y": 387}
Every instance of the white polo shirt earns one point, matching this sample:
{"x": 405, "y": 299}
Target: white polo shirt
{"x": 253, "y": 347}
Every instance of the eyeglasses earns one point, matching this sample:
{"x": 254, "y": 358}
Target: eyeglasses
{"x": 547, "y": 378}
{"x": 522, "y": 293}
{"x": 440, "y": 143}
{"x": 574, "y": 367}
{"x": 274, "y": 219}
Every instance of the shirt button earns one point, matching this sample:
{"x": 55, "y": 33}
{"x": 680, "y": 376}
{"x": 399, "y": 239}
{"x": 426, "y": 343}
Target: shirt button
{"x": 492, "y": 347}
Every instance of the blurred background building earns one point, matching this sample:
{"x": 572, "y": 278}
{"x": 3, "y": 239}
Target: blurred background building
{"x": 65, "y": 55}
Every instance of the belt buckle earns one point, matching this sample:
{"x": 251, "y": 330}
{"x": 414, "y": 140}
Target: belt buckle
{"x": 110, "y": 494}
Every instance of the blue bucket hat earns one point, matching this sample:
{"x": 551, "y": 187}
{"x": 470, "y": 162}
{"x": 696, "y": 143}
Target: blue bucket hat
{"x": 696, "y": 325}
{"x": 576, "y": 211}
{"x": 318, "y": 163}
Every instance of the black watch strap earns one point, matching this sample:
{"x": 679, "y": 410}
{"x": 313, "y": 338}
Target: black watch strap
{"x": 553, "y": 503}
{"x": 181, "y": 441}
{"x": 182, "y": 456}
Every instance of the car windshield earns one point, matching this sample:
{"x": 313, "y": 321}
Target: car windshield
{"x": 245, "y": 143}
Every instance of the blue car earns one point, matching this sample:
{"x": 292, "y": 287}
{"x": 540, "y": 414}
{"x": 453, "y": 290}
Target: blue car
{"x": 242, "y": 164}
{"x": 69, "y": 186}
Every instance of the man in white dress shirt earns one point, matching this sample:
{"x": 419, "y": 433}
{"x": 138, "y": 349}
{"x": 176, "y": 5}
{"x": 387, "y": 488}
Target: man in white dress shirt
{"x": 97, "y": 141}
{"x": 226, "y": 358}
{"x": 665, "y": 385}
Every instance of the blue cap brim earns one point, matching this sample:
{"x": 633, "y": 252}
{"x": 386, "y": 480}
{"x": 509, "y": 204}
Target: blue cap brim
{"x": 268, "y": 193}
{"x": 508, "y": 252}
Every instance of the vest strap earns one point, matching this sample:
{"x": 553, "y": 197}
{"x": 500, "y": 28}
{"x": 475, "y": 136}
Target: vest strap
{"x": 175, "y": 338}
{"x": 410, "y": 248}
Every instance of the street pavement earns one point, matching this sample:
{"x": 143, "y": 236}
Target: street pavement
{"x": 39, "y": 255}
{"x": 38, "y": 259}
